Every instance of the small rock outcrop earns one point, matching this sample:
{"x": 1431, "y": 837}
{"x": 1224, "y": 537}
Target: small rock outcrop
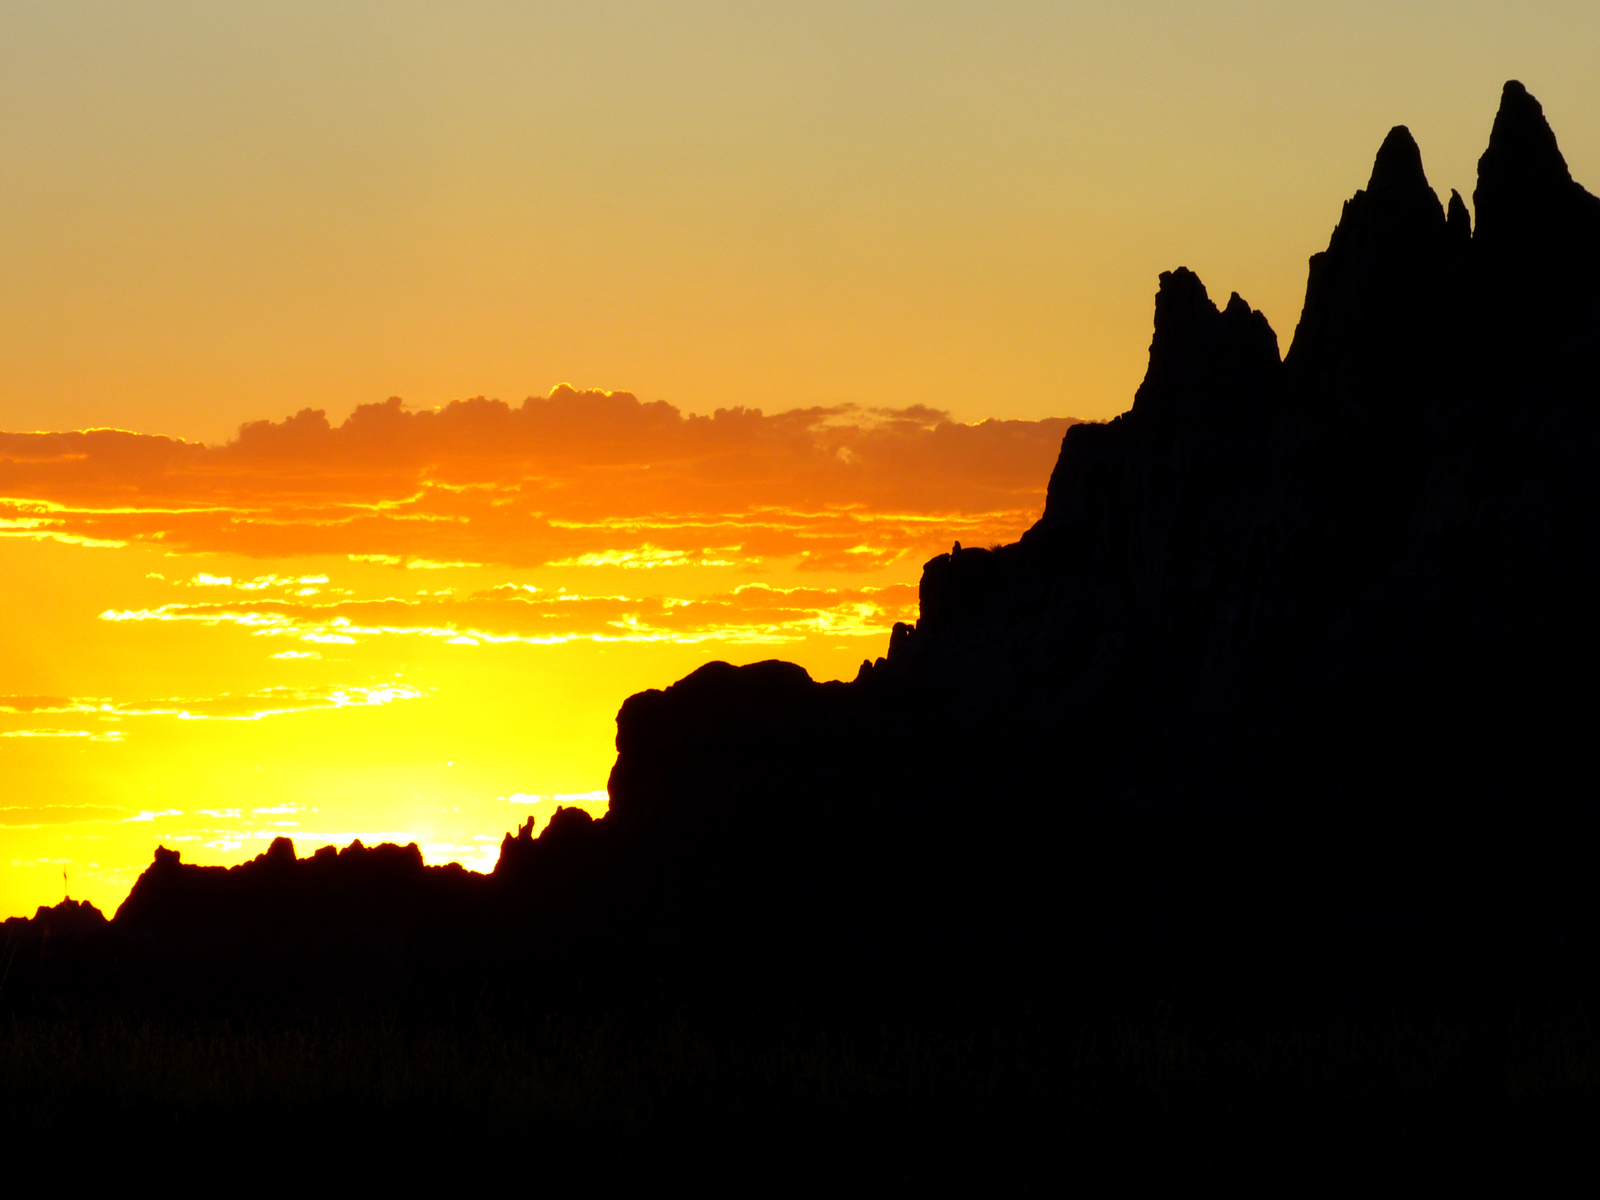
{"x": 70, "y": 918}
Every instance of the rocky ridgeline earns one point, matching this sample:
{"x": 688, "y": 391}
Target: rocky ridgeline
{"x": 1291, "y": 682}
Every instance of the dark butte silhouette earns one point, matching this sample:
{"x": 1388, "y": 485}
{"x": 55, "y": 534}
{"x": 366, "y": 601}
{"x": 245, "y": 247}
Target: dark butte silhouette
{"x": 1289, "y": 690}
{"x": 69, "y": 918}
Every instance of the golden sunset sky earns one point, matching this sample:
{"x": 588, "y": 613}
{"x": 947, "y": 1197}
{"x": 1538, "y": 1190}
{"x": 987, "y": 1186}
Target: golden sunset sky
{"x": 769, "y": 304}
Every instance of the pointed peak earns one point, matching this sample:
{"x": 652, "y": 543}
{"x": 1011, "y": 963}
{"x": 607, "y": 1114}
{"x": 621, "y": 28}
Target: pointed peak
{"x": 1457, "y": 219}
{"x": 1522, "y": 147}
{"x": 1399, "y": 163}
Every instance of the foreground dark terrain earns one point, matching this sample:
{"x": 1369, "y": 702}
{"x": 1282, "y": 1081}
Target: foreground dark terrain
{"x": 1257, "y": 778}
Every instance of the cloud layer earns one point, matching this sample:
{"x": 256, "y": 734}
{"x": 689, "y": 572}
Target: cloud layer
{"x": 754, "y": 613}
{"x": 575, "y": 478}
{"x": 69, "y": 714}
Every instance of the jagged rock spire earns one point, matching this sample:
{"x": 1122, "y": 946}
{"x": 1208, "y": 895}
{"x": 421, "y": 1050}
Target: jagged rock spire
{"x": 1525, "y": 192}
{"x": 1537, "y": 242}
{"x": 1398, "y": 165}
{"x": 1458, "y": 219}
{"x": 1374, "y": 296}
{"x": 1522, "y": 160}
{"x": 1202, "y": 356}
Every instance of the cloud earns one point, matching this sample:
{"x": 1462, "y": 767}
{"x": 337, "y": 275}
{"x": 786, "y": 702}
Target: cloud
{"x": 580, "y": 478}
{"x": 755, "y": 613}
{"x": 648, "y": 556}
{"x": 47, "y": 704}
{"x": 93, "y": 735}
{"x": 34, "y": 815}
{"x": 247, "y": 706}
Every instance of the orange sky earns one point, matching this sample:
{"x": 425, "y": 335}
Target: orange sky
{"x": 420, "y": 624}
{"x": 856, "y": 262}
{"x": 214, "y": 213}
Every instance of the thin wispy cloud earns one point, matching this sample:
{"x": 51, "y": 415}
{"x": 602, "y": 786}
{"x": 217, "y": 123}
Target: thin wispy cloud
{"x": 750, "y": 613}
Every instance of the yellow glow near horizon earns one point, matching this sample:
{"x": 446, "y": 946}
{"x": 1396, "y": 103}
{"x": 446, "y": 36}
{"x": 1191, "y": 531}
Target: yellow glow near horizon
{"x": 206, "y": 737}
{"x": 418, "y": 626}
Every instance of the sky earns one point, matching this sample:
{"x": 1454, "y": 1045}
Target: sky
{"x": 389, "y": 390}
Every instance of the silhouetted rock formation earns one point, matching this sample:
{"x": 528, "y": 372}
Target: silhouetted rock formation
{"x": 70, "y": 918}
{"x": 357, "y": 886}
{"x": 1295, "y": 662}
{"x": 1537, "y": 245}
{"x": 1290, "y": 685}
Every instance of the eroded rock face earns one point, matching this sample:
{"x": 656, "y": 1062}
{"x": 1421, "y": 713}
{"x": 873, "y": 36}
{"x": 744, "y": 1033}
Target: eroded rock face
{"x": 1219, "y": 540}
{"x": 356, "y": 886}
{"x": 1291, "y": 680}
{"x": 1536, "y": 248}
{"x": 1288, "y": 611}
{"x": 70, "y": 918}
